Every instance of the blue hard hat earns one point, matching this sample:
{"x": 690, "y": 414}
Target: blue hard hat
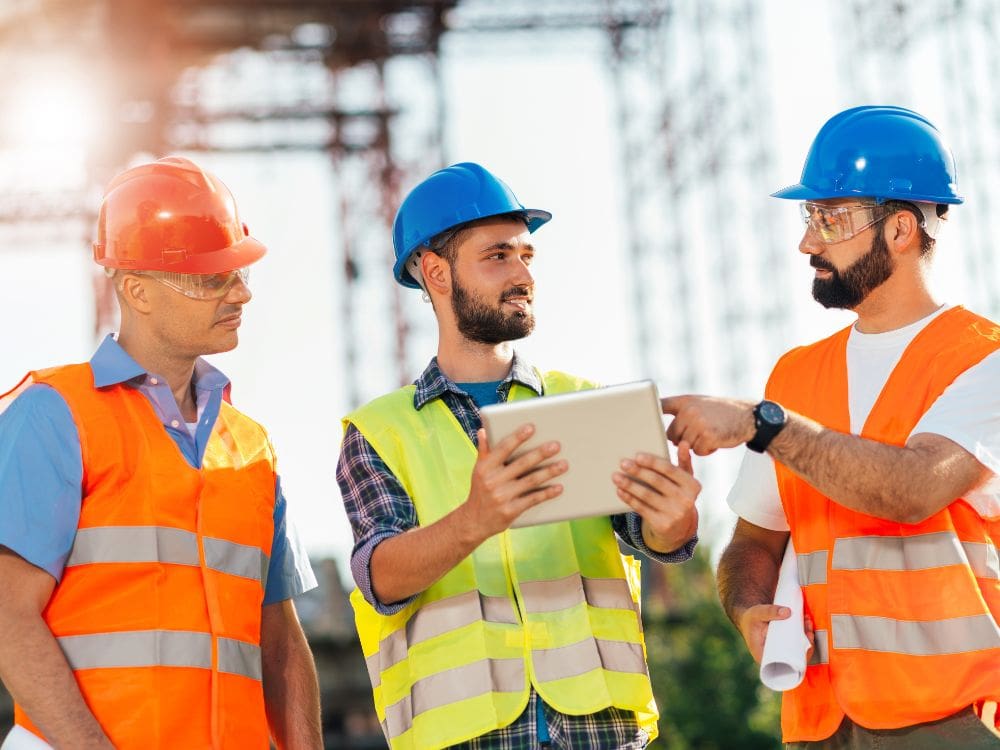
{"x": 449, "y": 197}
{"x": 886, "y": 153}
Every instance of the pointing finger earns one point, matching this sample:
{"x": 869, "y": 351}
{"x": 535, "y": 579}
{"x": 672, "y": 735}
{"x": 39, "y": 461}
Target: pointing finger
{"x": 671, "y": 404}
{"x": 684, "y": 457}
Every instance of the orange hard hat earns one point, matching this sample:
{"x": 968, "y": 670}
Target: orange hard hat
{"x": 171, "y": 215}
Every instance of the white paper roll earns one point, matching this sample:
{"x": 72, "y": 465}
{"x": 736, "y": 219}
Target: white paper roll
{"x": 783, "y": 664}
{"x": 20, "y": 738}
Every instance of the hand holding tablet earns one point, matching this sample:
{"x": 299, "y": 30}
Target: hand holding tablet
{"x": 596, "y": 430}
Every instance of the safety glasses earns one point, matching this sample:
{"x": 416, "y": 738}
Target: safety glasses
{"x": 839, "y": 223}
{"x": 203, "y": 286}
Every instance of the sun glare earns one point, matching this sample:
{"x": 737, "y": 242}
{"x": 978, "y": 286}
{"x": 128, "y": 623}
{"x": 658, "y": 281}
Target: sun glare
{"x": 50, "y": 111}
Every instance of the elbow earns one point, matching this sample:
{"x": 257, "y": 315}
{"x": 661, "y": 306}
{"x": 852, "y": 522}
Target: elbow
{"x": 912, "y": 518}
{"x": 916, "y": 507}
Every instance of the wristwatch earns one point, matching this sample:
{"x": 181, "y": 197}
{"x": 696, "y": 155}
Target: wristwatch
{"x": 769, "y": 419}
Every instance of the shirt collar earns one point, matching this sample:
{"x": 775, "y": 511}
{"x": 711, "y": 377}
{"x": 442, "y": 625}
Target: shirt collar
{"x": 112, "y": 365}
{"x": 433, "y": 383}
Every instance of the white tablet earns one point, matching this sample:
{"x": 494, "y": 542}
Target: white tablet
{"x": 596, "y": 429}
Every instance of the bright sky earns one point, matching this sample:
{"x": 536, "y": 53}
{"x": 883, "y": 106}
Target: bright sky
{"x": 545, "y": 124}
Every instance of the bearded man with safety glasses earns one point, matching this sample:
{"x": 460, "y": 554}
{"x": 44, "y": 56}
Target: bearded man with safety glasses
{"x": 146, "y": 562}
{"x": 884, "y": 451}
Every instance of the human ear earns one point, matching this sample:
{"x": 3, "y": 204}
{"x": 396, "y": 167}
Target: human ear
{"x": 133, "y": 291}
{"x": 904, "y": 230}
{"x": 437, "y": 273}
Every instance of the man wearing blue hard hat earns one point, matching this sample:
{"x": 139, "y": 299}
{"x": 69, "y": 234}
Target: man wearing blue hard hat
{"x": 884, "y": 450}
{"x": 477, "y": 635}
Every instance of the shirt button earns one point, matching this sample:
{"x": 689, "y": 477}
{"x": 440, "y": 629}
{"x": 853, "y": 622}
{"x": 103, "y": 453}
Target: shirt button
{"x": 154, "y": 381}
{"x": 175, "y": 424}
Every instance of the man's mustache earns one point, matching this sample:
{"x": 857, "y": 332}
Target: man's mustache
{"x": 817, "y": 262}
{"x": 516, "y": 291}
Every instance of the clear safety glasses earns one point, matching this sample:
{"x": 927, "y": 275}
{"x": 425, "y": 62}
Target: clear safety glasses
{"x": 204, "y": 286}
{"x": 839, "y": 223}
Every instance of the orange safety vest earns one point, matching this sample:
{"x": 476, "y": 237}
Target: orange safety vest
{"x": 159, "y": 609}
{"x": 905, "y": 614}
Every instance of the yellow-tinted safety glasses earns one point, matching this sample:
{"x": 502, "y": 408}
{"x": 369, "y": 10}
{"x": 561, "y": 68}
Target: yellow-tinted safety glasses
{"x": 839, "y": 223}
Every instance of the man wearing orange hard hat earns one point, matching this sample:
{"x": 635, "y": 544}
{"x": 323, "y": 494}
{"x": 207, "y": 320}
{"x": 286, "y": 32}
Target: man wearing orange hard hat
{"x": 146, "y": 562}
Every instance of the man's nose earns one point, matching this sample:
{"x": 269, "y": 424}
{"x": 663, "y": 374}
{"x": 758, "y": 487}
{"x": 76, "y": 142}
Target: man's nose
{"x": 811, "y": 243}
{"x": 522, "y": 274}
{"x": 239, "y": 293}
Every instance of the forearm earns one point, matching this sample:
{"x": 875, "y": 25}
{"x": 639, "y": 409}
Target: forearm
{"x": 629, "y": 528}
{"x": 36, "y": 673}
{"x": 747, "y": 576}
{"x": 906, "y": 484}
{"x": 411, "y": 562}
{"x": 898, "y": 483}
{"x": 291, "y": 687}
{"x": 685, "y": 532}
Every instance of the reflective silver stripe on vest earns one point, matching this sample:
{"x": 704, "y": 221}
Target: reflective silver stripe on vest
{"x": 453, "y": 685}
{"x": 437, "y": 618}
{"x": 983, "y": 558}
{"x": 138, "y": 648}
{"x": 240, "y": 657}
{"x": 587, "y": 655}
{"x": 955, "y": 635}
{"x": 241, "y": 560}
{"x": 920, "y": 552}
{"x": 821, "y": 648}
{"x": 567, "y": 592}
{"x": 145, "y": 544}
{"x": 374, "y": 673}
{"x": 159, "y": 648}
{"x": 133, "y": 544}
{"x": 812, "y": 567}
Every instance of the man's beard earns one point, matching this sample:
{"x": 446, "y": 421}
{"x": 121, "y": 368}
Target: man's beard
{"x": 481, "y": 322}
{"x": 849, "y": 288}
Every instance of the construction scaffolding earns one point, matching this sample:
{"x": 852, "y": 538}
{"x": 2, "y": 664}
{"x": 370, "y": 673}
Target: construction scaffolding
{"x": 360, "y": 84}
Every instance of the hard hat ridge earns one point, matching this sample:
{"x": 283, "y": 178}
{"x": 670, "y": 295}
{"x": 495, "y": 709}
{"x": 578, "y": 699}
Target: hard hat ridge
{"x": 448, "y": 198}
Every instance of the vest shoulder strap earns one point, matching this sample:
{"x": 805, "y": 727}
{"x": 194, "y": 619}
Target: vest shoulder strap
{"x": 554, "y": 382}
{"x": 808, "y": 357}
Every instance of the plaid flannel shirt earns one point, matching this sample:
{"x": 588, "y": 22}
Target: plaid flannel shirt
{"x": 378, "y": 508}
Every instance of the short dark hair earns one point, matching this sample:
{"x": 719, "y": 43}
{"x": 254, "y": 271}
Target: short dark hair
{"x": 446, "y": 243}
{"x": 926, "y": 241}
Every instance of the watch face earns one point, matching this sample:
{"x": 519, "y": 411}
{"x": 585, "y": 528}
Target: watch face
{"x": 771, "y": 413}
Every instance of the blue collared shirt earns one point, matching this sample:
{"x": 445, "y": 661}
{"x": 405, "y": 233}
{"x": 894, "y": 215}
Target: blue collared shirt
{"x": 41, "y": 467}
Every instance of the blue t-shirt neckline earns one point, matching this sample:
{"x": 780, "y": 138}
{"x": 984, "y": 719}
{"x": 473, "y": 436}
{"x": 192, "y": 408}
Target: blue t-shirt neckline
{"x": 483, "y": 394}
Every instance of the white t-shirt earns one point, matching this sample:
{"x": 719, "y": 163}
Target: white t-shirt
{"x": 967, "y": 412}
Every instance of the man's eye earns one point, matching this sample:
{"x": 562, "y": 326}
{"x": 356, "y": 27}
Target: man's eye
{"x": 214, "y": 281}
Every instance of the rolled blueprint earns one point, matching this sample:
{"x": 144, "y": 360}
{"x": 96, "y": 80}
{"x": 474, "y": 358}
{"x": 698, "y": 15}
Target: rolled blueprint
{"x": 21, "y": 739}
{"x": 783, "y": 664}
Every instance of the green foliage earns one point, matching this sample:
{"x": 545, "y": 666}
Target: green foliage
{"x": 706, "y": 683}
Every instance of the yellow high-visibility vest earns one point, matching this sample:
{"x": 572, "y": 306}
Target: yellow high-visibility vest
{"x": 555, "y": 607}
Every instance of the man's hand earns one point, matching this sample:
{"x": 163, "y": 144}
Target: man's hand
{"x": 752, "y": 623}
{"x": 663, "y": 495}
{"x": 707, "y": 423}
{"x": 408, "y": 563}
{"x": 502, "y": 489}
